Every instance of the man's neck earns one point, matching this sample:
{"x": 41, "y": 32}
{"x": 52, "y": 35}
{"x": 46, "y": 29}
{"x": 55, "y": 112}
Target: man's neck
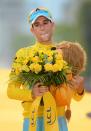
{"x": 46, "y": 42}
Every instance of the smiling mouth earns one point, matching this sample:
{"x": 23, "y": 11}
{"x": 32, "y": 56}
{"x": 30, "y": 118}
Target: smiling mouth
{"x": 44, "y": 35}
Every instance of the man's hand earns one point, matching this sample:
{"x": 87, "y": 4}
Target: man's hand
{"x": 39, "y": 90}
{"x": 77, "y": 83}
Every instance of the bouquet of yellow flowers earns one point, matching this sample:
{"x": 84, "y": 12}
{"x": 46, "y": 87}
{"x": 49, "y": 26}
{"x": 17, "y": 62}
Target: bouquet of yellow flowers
{"x": 46, "y": 66}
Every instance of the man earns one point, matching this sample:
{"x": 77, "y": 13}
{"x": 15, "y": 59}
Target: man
{"x": 42, "y": 26}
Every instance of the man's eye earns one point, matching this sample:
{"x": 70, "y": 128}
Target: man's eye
{"x": 36, "y": 25}
{"x": 46, "y": 22}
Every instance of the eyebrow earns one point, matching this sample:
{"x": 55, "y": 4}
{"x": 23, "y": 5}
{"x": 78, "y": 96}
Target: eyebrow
{"x": 46, "y": 19}
{"x": 43, "y": 21}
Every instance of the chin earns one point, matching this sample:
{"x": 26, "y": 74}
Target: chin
{"x": 45, "y": 39}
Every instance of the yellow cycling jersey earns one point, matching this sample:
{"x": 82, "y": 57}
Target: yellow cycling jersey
{"x": 18, "y": 91}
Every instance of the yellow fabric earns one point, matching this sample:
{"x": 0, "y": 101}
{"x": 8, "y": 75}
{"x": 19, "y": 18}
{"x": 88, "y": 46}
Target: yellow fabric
{"x": 50, "y": 113}
{"x": 27, "y": 107}
{"x": 43, "y": 46}
{"x": 19, "y": 92}
{"x": 25, "y": 51}
{"x": 15, "y": 92}
{"x": 34, "y": 114}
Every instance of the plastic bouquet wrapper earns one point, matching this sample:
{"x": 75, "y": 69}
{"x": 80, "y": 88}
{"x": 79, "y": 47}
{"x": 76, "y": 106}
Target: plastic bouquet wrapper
{"x": 45, "y": 66}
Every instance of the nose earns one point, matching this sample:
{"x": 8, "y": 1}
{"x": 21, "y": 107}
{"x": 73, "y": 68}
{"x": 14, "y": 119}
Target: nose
{"x": 41, "y": 27}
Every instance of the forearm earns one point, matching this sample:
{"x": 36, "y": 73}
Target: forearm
{"x": 15, "y": 92}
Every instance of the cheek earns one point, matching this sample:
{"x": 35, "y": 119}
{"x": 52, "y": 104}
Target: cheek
{"x": 35, "y": 32}
{"x": 37, "y": 35}
{"x": 50, "y": 29}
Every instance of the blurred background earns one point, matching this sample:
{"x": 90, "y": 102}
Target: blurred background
{"x": 73, "y": 23}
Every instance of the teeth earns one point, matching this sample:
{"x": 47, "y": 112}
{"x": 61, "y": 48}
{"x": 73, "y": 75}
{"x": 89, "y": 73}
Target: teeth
{"x": 44, "y": 34}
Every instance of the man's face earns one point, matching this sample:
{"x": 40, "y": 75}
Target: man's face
{"x": 42, "y": 28}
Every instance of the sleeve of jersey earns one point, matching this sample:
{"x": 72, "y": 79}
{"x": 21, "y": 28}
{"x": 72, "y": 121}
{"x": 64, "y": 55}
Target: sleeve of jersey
{"x": 15, "y": 90}
{"x": 77, "y": 96}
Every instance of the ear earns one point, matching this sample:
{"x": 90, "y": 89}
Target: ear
{"x": 31, "y": 29}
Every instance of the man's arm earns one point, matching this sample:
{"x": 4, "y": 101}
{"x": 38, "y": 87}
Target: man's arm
{"x": 15, "y": 89}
